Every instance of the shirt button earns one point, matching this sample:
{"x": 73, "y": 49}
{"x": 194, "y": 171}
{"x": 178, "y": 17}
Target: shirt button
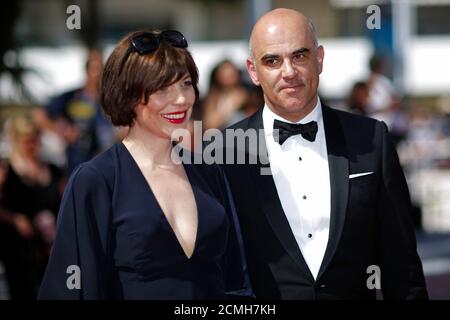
{"x": 309, "y": 235}
{"x": 300, "y": 158}
{"x": 304, "y": 197}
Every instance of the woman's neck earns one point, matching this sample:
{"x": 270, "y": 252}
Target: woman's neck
{"x": 148, "y": 150}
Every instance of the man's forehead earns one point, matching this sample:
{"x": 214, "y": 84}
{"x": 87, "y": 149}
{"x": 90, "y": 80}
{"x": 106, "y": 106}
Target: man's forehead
{"x": 276, "y": 36}
{"x": 281, "y": 45}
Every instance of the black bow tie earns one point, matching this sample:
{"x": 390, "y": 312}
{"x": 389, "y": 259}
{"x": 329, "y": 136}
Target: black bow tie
{"x": 286, "y": 130}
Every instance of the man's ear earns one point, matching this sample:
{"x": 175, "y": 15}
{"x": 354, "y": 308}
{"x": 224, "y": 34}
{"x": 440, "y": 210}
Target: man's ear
{"x": 320, "y": 56}
{"x": 251, "y": 69}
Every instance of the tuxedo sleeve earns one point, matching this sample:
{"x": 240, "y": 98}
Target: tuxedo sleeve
{"x": 78, "y": 264}
{"x": 401, "y": 269}
{"x": 237, "y": 281}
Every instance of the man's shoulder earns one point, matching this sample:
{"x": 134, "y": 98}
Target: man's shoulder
{"x": 358, "y": 130}
{"x": 243, "y": 124}
{"x": 351, "y": 120}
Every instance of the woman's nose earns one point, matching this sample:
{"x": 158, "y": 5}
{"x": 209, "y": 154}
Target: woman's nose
{"x": 180, "y": 95}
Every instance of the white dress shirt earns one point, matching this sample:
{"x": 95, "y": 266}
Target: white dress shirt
{"x": 301, "y": 175}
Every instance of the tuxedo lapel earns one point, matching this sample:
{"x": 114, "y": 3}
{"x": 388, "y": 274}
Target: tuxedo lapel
{"x": 339, "y": 169}
{"x": 267, "y": 195}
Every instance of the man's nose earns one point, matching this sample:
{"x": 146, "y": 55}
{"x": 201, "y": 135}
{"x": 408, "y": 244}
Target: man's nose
{"x": 288, "y": 70}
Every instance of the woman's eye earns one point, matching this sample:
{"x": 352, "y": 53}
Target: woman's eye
{"x": 188, "y": 83}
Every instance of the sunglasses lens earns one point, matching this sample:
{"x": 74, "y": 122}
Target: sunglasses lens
{"x": 175, "y": 38}
{"x": 148, "y": 42}
{"x": 145, "y": 43}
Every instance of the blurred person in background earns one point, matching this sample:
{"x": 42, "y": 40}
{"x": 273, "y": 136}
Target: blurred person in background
{"x": 381, "y": 90}
{"x": 443, "y": 123}
{"x": 358, "y": 98}
{"x": 223, "y": 103}
{"x": 136, "y": 223}
{"x": 384, "y": 103}
{"x": 254, "y": 102}
{"x": 30, "y": 196}
{"x": 76, "y": 116}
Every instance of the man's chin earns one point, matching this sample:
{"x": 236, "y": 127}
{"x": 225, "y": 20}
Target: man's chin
{"x": 295, "y": 105}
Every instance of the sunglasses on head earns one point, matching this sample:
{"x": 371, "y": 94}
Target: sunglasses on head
{"x": 148, "y": 42}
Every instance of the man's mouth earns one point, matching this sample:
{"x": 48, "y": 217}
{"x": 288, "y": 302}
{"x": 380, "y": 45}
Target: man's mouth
{"x": 175, "y": 117}
{"x": 291, "y": 88}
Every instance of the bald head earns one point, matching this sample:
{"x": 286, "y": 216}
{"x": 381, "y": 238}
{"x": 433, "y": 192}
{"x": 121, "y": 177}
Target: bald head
{"x": 281, "y": 20}
{"x": 286, "y": 62}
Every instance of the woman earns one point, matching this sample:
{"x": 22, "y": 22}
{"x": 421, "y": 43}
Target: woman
{"x": 30, "y": 196}
{"x": 133, "y": 223}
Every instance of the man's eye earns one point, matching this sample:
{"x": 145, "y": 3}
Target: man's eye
{"x": 271, "y": 62}
{"x": 299, "y": 57}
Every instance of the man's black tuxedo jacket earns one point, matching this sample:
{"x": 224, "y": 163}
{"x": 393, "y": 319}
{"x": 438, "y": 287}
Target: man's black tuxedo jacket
{"x": 370, "y": 219}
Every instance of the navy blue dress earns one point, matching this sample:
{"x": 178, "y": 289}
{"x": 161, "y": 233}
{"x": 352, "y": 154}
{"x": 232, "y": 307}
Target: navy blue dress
{"x": 114, "y": 242}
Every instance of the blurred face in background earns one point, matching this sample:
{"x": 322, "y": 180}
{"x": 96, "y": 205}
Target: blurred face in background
{"x": 25, "y": 137}
{"x": 94, "y": 67}
{"x": 29, "y": 145}
{"x": 286, "y": 63}
{"x": 362, "y": 95}
{"x": 227, "y": 75}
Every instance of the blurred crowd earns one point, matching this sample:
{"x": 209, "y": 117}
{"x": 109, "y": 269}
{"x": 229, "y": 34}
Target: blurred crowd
{"x": 46, "y": 143}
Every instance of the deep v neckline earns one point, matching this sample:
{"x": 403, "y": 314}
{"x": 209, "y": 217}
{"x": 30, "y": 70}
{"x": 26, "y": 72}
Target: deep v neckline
{"x": 161, "y": 211}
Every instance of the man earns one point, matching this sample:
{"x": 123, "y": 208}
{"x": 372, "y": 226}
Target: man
{"x": 335, "y": 209}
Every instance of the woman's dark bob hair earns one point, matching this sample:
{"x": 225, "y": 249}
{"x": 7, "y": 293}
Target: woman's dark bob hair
{"x": 126, "y": 83}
